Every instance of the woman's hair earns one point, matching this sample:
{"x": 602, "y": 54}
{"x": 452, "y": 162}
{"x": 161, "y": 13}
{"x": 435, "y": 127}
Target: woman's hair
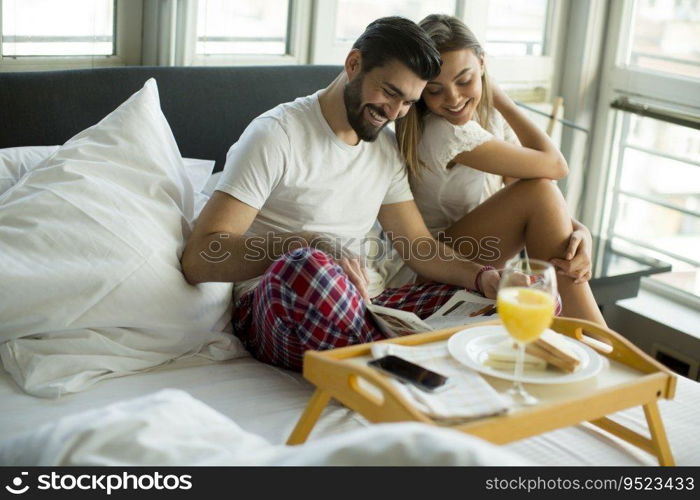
{"x": 448, "y": 34}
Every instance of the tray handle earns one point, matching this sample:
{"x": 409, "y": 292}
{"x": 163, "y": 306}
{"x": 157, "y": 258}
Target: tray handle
{"x": 360, "y": 388}
{"x": 608, "y": 343}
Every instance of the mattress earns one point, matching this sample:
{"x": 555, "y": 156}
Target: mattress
{"x": 268, "y": 401}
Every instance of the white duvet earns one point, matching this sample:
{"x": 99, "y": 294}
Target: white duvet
{"x": 172, "y": 428}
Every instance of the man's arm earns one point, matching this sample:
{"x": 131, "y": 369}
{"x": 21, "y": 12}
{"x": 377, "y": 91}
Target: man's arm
{"x": 218, "y": 250}
{"x": 424, "y": 254}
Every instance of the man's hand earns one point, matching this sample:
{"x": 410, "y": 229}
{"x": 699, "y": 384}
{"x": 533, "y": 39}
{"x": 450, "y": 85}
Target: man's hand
{"x": 577, "y": 261}
{"x": 357, "y": 273}
{"x": 351, "y": 264}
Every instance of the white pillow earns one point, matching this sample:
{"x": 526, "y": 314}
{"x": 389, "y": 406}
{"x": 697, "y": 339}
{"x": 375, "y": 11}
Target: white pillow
{"x": 210, "y": 186}
{"x": 91, "y": 280}
{"x": 198, "y": 172}
{"x": 15, "y": 162}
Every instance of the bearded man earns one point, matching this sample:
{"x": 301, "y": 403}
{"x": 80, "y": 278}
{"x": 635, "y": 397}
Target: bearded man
{"x": 300, "y": 190}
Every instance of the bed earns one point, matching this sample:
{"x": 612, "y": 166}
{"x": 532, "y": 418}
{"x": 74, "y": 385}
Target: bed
{"x": 206, "y": 109}
{"x": 267, "y": 402}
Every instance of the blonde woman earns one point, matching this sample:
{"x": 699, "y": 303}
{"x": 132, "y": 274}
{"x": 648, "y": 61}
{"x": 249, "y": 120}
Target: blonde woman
{"x": 461, "y": 141}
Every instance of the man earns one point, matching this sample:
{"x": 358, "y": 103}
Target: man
{"x": 326, "y": 165}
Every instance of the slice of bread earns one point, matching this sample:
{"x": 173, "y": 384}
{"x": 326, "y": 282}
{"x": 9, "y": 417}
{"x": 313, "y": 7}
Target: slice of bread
{"x": 555, "y": 350}
{"x": 502, "y": 356}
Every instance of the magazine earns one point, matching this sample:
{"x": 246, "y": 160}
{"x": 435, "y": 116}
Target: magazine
{"x": 463, "y": 308}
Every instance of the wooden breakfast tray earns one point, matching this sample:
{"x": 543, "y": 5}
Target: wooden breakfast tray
{"x": 631, "y": 378}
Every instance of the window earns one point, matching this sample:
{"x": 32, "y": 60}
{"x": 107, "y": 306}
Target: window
{"x": 516, "y": 27}
{"x": 666, "y": 37}
{"x": 353, "y": 16}
{"x": 50, "y": 28}
{"x": 245, "y": 32}
{"x": 516, "y": 34}
{"x": 68, "y": 34}
{"x": 337, "y": 23}
{"x": 519, "y": 39}
{"x": 649, "y": 140}
{"x": 236, "y": 27}
{"x": 657, "y": 194}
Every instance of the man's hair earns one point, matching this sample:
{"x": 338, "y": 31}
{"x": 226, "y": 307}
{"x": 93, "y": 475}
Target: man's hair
{"x": 390, "y": 38}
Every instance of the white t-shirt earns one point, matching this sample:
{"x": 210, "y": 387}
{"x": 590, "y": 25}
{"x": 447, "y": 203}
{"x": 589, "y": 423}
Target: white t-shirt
{"x": 290, "y": 165}
{"x": 445, "y": 195}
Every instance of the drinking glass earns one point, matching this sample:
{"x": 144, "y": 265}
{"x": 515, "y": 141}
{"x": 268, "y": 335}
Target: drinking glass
{"x": 526, "y": 301}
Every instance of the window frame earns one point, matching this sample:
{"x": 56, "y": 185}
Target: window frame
{"x": 298, "y": 30}
{"x": 618, "y": 80}
{"x": 529, "y": 71}
{"x": 324, "y": 48}
{"x": 522, "y": 76}
{"x": 128, "y": 21}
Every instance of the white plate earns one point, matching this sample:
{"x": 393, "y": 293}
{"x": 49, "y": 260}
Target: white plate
{"x": 470, "y": 347}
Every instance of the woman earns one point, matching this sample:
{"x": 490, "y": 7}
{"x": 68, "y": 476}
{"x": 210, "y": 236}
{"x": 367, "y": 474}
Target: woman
{"x": 460, "y": 145}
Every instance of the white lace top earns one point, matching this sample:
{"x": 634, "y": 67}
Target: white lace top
{"x": 443, "y": 194}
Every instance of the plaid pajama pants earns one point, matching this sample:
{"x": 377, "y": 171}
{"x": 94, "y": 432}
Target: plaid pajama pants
{"x": 305, "y": 301}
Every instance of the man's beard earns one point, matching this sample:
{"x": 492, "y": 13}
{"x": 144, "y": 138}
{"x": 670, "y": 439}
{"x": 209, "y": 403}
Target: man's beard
{"x": 352, "y": 95}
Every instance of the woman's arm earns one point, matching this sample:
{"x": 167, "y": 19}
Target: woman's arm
{"x": 428, "y": 257}
{"x": 537, "y": 157}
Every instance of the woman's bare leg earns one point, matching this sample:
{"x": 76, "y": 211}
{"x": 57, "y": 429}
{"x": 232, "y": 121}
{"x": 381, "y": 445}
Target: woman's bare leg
{"x": 531, "y": 213}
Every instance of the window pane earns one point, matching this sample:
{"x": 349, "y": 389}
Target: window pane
{"x": 676, "y": 140}
{"x": 353, "y": 16}
{"x": 667, "y": 230}
{"x": 659, "y": 205}
{"x": 516, "y": 27}
{"x": 242, "y": 27}
{"x": 665, "y": 179}
{"x": 666, "y": 36}
{"x": 662, "y": 160}
{"x": 683, "y": 277}
{"x": 51, "y": 28}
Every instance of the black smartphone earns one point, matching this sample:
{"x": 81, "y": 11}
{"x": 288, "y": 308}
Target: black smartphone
{"x": 410, "y": 372}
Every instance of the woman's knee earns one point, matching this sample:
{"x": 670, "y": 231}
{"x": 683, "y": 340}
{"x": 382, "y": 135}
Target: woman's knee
{"x": 545, "y": 191}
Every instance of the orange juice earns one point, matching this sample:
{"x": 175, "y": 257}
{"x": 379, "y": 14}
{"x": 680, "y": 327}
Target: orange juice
{"x": 525, "y": 312}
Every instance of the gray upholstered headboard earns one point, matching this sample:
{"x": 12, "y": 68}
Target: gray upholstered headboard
{"x": 206, "y": 107}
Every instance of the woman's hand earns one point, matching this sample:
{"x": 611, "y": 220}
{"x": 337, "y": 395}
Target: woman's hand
{"x": 577, "y": 262}
{"x": 489, "y": 281}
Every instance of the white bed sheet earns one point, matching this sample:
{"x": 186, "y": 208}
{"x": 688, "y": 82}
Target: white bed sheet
{"x": 268, "y": 401}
